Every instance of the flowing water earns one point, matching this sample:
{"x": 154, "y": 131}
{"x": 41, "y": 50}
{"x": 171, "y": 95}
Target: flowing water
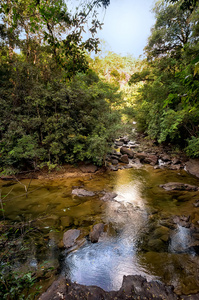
{"x": 140, "y": 236}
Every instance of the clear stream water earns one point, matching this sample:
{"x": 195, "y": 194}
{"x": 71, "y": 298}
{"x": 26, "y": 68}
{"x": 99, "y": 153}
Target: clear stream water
{"x": 137, "y": 240}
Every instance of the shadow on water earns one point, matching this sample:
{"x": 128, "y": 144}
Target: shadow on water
{"x": 141, "y": 237}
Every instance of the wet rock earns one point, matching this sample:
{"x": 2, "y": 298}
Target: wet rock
{"x": 119, "y": 143}
{"x": 115, "y": 157}
{"x": 56, "y": 291}
{"x": 182, "y": 221}
{"x": 124, "y": 159}
{"x": 116, "y": 154}
{"x": 151, "y": 159}
{"x": 82, "y": 193}
{"x": 88, "y": 168}
{"x": 176, "y": 161}
{"x": 141, "y": 155}
{"x": 97, "y": 230}
{"x": 114, "y": 161}
{"x": 192, "y": 167}
{"x": 109, "y": 196}
{"x": 70, "y": 237}
{"x": 125, "y": 150}
{"x": 137, "y": 287}
{"x": 168, "y": 223}
{"x": 165, "y": 157}
{"x": 66, "y": 221}
{"x": 178, "y": 186}
{"x": 133, "y": 287}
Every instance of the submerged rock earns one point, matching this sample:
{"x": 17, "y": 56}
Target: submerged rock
{"x": 162, "y": 233}
{"x": 97, "y": 230}
{"x": 66, "y": 221}
{"x": 46, "y": 222}
{"x": 156, "y": 245}
{"x": 178, "y": 186}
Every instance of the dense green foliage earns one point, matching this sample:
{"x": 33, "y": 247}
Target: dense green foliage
{"x": 54, "y": 109}
{"x": 167, "y": 104}
{"x": 51, "y": 120}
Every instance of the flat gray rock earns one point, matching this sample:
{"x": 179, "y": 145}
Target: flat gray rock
{"x": 82, "y": 193}
{"x": 178, "y": 186}
{"x": 70, "y": 237}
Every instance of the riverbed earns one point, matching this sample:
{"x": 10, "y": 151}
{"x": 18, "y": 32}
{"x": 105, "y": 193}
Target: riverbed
{"x": 141, "y": 237}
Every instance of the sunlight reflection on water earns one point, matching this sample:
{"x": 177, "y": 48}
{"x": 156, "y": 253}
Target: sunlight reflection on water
{"x": 104, "y": 264}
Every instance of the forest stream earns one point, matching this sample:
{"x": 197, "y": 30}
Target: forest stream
{"x": 141, "y": 235}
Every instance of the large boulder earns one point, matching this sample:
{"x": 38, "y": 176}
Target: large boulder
{"x": 129, "y": 152}
{"x": 97, "y": 230}
{"x": 70, "y": 237}
{"x": 178, "y": 186}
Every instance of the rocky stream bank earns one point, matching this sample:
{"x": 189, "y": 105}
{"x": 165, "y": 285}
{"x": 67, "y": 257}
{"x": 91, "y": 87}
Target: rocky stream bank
{"x": 140, "y": 151}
